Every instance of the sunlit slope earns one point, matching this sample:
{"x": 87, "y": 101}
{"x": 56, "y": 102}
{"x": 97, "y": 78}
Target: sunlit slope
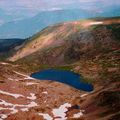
{"x": 52, "y": 36}
{"x": 71, "y": 39}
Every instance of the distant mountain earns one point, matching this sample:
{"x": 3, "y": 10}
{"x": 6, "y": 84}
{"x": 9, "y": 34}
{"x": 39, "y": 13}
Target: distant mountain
{"x": 4, "y": 18}
{"x": 27, "y": 27}
{"x": 111, "y": 11}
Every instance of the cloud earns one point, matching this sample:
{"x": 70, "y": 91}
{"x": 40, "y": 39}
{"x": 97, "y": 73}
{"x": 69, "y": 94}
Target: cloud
{"x": 1, "y": 22}
{"x": 27, "y": 8}
{"x": 40, "y": 4}
{"x": 52, "y": 9}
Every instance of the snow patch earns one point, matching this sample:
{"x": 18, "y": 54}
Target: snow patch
{"x": 32, "y": 97}
{"x": 2, "y": 102}
{"x": 31, "y": 83}
{"x": 83, "y": 95}
{"x": 26, "y": 76}
{"x": 11, "y": 94}
{"x": 24, "y": 109}
{"x": 60, "y": 112}
{"x": 3, "y": 116}
{"x": 11, "y": 79}
{"x": 32, "y": 104}
{"x": 96, "y": 23}
{"x": 46, "y": 116}
{"x": 45, "y": 92}
{"x": 13, "y": 107}
{"x": 78, "y": 115}
{"x": 3, "y": 63}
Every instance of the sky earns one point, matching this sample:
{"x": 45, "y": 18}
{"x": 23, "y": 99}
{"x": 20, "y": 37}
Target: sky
{"x": 20, "y": 9}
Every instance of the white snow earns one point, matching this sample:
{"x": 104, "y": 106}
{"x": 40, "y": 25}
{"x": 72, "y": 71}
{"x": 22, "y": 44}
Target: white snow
{"x": 60, "y": 112}
{"x": 3, "y": 63}
{"x": 78, "y": 115}
{"x": 13, "y": 110}
{"x": 32, "y": 97}
{"x": 3, "y": 116}
{"x": 11, "y": 94}
{"x": 32, "y": 104}
{"x": 83, "y": 95}
{"x": 2, "y": 102}
{"x": 96, "y": 23}
{"x": 24, "y": 109}
{"x": 45, "y": 101}
{"x": 11, "y": 79}
{"x": 31, "y": 83}
{"x": 26, "y": 76}
{"x": 45, "y": 92}
{"x": 46, "y": 116}
{"x": 13, "y": 107}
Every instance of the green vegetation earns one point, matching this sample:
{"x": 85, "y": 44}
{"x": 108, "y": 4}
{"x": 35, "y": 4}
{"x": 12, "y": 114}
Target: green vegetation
{"x": 63, "y": 67}
{"x": 92, "y": 27}
{"x": 2, "y": 58}
{"x": 106, "y": 64}
{"x": 86, "y": 79}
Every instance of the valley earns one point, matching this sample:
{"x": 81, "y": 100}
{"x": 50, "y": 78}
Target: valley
{"x": 90, "y": 48}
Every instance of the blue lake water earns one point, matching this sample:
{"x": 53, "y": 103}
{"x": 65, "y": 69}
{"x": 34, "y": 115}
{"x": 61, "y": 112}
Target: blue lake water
{"x": 63, "y": 76}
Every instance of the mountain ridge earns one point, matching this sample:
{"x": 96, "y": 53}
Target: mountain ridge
{"x": 28, "y": 27}
{"x": 61, "y": 34}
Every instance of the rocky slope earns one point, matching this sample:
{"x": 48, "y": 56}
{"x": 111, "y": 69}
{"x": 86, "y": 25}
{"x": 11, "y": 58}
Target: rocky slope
{"x": 22, "y": 97}
{"x": 92, "y": 51}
